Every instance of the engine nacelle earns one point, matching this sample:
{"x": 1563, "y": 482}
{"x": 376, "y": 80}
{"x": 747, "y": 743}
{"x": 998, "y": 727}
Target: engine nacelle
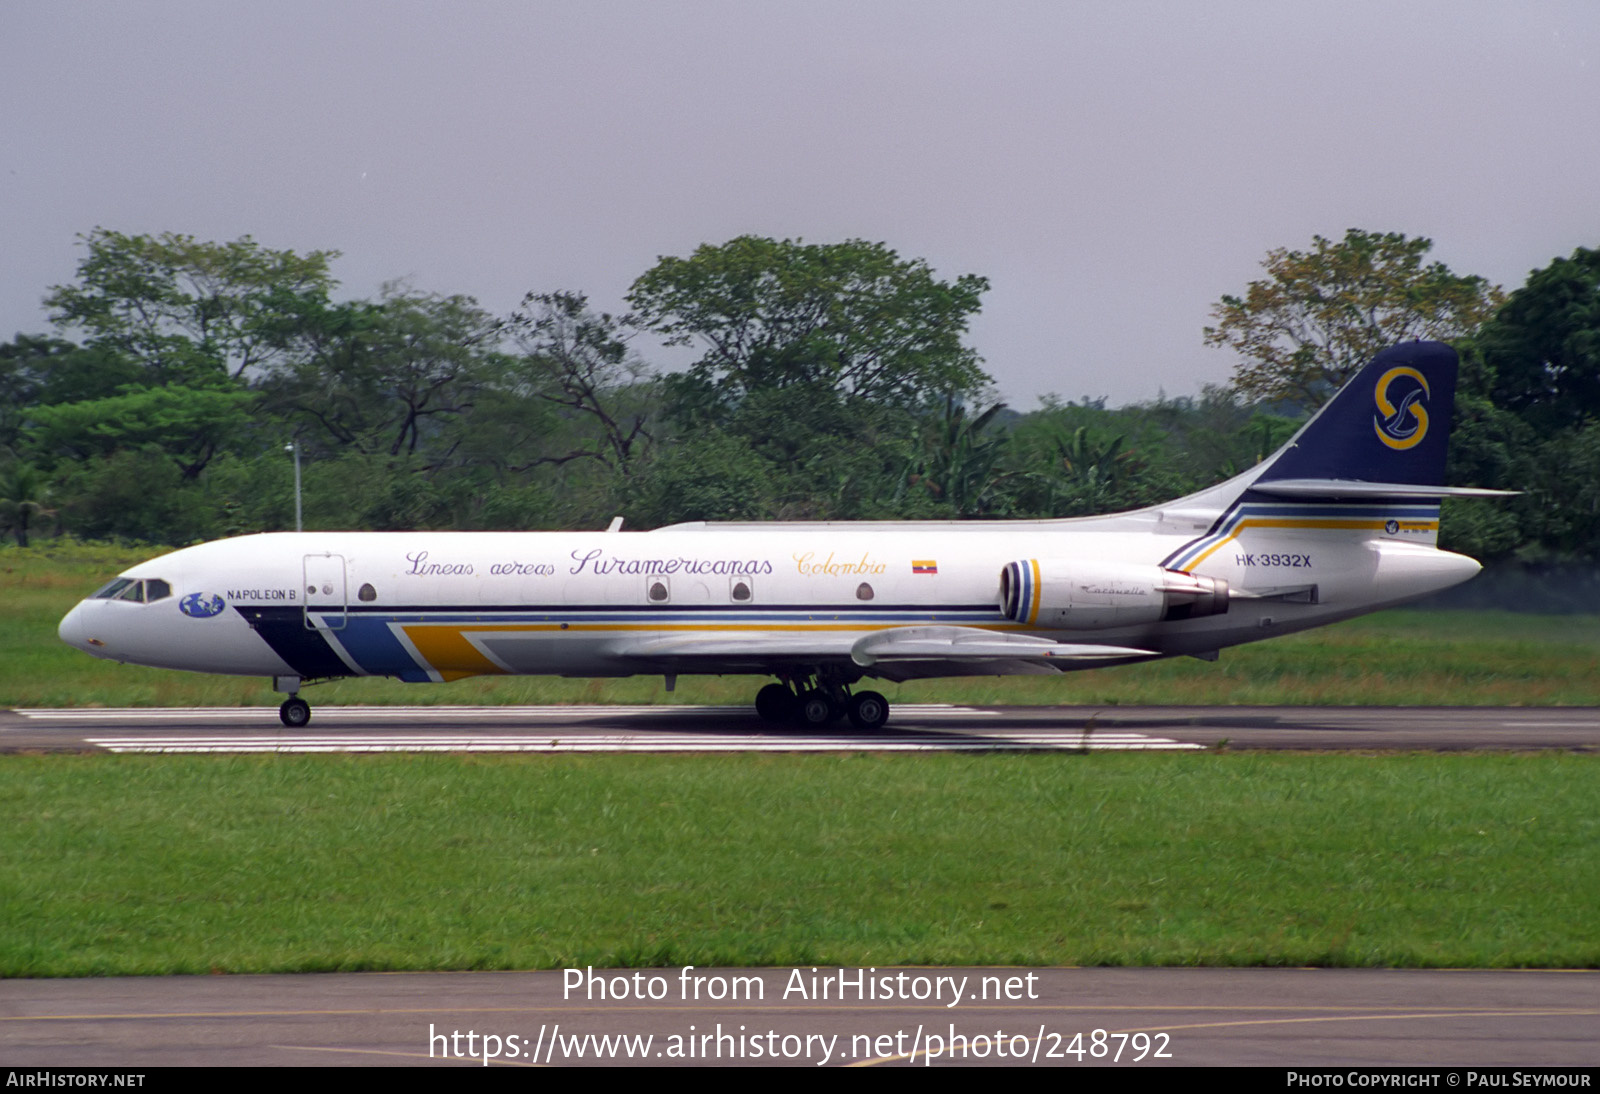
{"x": 1081, "y": 595}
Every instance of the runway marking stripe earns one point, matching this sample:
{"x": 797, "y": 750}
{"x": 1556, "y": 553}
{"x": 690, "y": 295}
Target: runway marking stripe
{"x": 621, "y": 739}
{"x": 242, "y": 713}
{"x": 614, "y": 743}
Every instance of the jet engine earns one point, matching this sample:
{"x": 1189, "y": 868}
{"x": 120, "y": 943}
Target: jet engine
{"x": 1073, "y": 595}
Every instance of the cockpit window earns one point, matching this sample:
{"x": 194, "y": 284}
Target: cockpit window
{"x": 134, "y": 591}
{"x": 111, "y": 589}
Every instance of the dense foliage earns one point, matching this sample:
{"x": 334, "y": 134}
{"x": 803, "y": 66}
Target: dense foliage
{"x": 1320, "y": 315}
{"x": 834, "y": 382}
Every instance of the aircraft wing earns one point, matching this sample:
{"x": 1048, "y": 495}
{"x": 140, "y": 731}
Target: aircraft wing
{"x": 975, "y": 644}
{"x": 738, "y": 647}
{"x": 896, "y": 644}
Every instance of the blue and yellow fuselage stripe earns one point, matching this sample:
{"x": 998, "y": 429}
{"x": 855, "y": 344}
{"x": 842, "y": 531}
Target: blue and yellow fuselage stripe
{"x": 1387, "y": 518}
{"x": 421, "y": 643}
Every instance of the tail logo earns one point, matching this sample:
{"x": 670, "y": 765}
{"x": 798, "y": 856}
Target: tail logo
{"x": 1402, "y": 425}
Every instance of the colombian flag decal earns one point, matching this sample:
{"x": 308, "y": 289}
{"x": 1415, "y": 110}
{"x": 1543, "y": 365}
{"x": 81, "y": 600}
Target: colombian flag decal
{"x": 924, "y": 566}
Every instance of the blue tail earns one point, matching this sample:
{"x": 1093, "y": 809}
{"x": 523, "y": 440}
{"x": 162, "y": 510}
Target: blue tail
{"x": 1389, "y": 425}
{"x": 1370, "y": 464}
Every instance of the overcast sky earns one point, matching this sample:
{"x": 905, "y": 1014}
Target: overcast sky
{"x": 1113, "y": 168}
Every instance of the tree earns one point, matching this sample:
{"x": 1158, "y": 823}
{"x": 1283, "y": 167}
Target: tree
{"x": 188, "y": 425}
{"x": 1089, "y": 474}
{"x": 187, "y": 310}
{"x": 711, "y": 476}
{"x": 38, "y": 370}
{"x": 1321, "y": 315}
{"x": 851, "y": 317}
{"x": 396, "y": 376}
{"x": 579, "y": 362}
{"x": 25, "y": 366}
{"x": 958, "y": 464}
{"x": 431, "y": 356}
{"x": 22, "y": 499}
{"x": 1543, "y": 348}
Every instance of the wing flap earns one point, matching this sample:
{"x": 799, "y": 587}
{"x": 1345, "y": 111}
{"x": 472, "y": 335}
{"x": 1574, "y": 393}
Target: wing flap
{"x": 975, "y": 644}
{"x": 738, "y": 646}
{"x": 893, "y": 644}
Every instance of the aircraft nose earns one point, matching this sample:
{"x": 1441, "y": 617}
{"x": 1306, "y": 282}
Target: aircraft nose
{"x": 73, "y": 632}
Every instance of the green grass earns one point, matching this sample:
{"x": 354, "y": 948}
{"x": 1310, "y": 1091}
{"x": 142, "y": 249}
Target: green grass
{"x": 144, "y": 865}
{"x": 1393, "y": 658}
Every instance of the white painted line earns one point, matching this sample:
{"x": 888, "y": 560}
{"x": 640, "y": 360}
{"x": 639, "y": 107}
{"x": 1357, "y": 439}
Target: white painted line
{"x": 379, "y": 713}
{"x": 632, "y": 743}
{"x": 440, "y": 713}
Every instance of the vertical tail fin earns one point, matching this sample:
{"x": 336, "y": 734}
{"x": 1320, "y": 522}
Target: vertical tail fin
{"x": 1369, "y": 464}
{"x": 1389, "y": 425}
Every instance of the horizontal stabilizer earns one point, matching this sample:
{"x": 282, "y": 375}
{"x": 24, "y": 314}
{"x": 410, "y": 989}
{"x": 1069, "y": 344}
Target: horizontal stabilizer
{"x": 1351, "y": 488}
{"x": 972, "y": 643}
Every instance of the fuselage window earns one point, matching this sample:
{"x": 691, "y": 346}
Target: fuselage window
{"x": 658, "y": 591}
{"x": 156, "y": 589}
{"x": 863, "y": 591}
{"x": 741, "y": 591}
{"x": 368, "y": 593}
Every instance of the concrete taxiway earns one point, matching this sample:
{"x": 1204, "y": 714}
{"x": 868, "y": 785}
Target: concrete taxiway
{"x": 721, "y": 729}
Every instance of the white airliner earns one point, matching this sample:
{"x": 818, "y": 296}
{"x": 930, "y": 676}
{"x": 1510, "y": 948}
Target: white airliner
{"x": 1342, "y": 520}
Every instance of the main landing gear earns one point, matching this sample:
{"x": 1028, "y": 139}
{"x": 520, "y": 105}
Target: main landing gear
{"x": 816, "y": 703}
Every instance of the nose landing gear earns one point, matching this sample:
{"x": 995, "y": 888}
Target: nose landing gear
{"x": 295, "y": 711}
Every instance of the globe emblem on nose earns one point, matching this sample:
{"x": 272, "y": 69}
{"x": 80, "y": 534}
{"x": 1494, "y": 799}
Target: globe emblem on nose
{"x": 201, "y": 605}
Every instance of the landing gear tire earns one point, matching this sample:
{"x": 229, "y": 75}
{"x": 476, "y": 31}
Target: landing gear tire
{"x": 776, "y": 704}
{"x": 816, "y": 709}
{"x": 868, "y": 710}
{"x": 295, "y": 713}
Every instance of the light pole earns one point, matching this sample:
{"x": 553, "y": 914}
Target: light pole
{"x": 294, "y": 446}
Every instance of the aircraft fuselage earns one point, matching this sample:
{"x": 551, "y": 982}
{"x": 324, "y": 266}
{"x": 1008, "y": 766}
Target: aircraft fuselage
{"x": 441, "y": 605}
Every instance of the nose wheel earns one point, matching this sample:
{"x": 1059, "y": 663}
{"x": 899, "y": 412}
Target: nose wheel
{"x": 295, "y": 712}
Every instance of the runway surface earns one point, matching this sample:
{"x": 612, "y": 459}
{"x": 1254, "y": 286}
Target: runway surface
{"x": 927, "y": 727}
{"x": 1006, "y": 1017}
